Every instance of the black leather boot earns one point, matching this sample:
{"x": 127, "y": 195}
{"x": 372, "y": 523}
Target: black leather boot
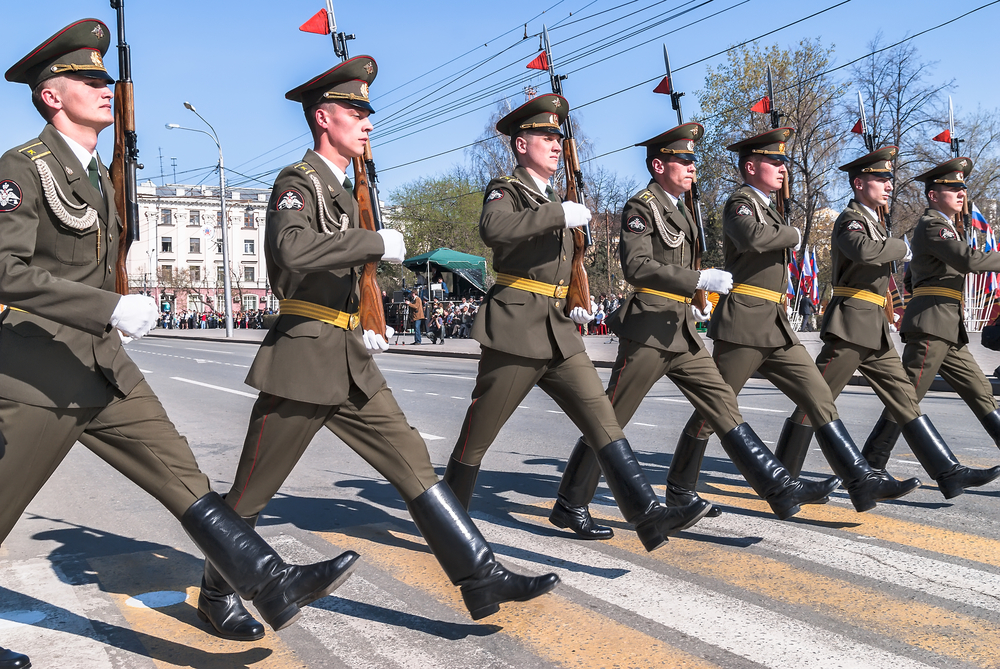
{"x": 879, "y": 445}
{"x": 793, "y": 445}
{"x": 11, "y": 660}
{"x": 653, "y": 522}
{"x": 576, "y": 489}
{"x": 222, "y": 608}
{"x": 990, "y": 421}
{"x": 768, "y": 477}
{"x": 937, "y": 459}
{"x": 685, "y": 467}
{"x": 461, "y": 478}
{"x": 467, "y": 558}
{"x": 863, "y": 484}
{"x": 254, "y": 569}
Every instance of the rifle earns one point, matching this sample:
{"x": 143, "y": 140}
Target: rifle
{"x": 882, "y": 210}
{"x": 784, "y": 203}
{"x": 372, "y": 311}
{"x": 692, "y": 198}
{"x": 962, "y": 219}
{"x": 579, "y": 286}
{"x": 124, "y": 162}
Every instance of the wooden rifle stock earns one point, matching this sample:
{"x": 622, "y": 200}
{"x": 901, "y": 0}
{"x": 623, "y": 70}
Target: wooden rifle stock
{"x": 579, "y": 286}
{"x": 124, "y": 123}
{"x": 372, "y": 311}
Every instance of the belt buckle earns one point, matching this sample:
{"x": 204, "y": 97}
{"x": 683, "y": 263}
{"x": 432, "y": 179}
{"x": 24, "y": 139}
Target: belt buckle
{"x": 784, "y": 299}
{"x": 354, "y": 320}
{"x": 561, "y": 291}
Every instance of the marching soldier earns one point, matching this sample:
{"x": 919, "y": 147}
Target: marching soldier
{"x": 934, "y": 331}
{"x": 751, "y": 330}
{"x": 64, "y": 375}
{"x": 855, "y": 333}
{"x": 526, "y": 336}
{"x": 315, "y": 369}
{"x": 657, "y": 337}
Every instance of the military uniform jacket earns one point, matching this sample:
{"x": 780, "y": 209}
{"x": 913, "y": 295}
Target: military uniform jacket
{"x": 61, "y": 353}
{"x": 861, "y": 254}
{"x": 313, "y": 250}
{"x": 657, "y": 248}
{"x": 941, "y": 258}
{"x": 529, "y": 239}
{"x": 755, "y": 242}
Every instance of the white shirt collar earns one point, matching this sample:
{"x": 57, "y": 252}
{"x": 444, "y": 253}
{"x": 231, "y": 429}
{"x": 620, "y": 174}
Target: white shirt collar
{"x": 673, "y": 199}
{"x": 81, "y": 153}
{"x": 872, "y": 213}
{"x": 541, "y": 185}
{"x": 941, "y": 214}
{"x": 763, "y": 196}
{"x": 337, "y": 172}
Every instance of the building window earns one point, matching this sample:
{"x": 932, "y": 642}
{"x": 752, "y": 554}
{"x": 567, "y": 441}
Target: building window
{"x": 218, "y": 246}
{"x": 248, "y": 246}
{"x": 194, "y": 303}
{"x": 195, "y": 273}
{"x": 166, "y": 272}
{"x": 249, "y": 303}
{"x": 166, "y": 217}
{"x": 272, "y": 303}
{"x": 194, "y": 245}
{"x": 248, "y": 219}
{"x": 166, "y": 245}
{"x": 220, "y": 218}
{"x": 220, "y": 274}
{"x": 194, "y": 218}
{"x": 248, "y": 273}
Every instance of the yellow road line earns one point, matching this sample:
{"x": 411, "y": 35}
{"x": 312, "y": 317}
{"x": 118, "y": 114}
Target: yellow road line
{"x": 553, "y": 627}
{"x": 173, "y": 636}
{"x": 921, "y": 625}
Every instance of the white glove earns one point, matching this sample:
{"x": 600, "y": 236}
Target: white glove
{"x": 395, "y": 248}
{"x": 700, "y": 316}
{"x": 126, "y": 340}
{"x": 798, "y": 244}
{"x": 375, "y": 342}
{"x": 576, "y": 214}
{"x": 135, "y": 315}
{"x": 909, "y": 253}
{"x": 579, "y": 316}
{"x": 715, "y": 281}
{"x": 895, "y": 317}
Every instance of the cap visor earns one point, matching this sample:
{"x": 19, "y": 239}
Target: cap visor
{"x": 361, "y": 105}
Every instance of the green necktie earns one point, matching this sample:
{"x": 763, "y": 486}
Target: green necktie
{"x": 551, "y": 194}
{"x": 95, "y": 176}
{"x": 348, "y": 186}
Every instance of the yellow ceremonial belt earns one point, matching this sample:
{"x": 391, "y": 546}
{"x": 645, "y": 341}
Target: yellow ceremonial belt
{"x": 938, "y": 292}
{"x": 317, "y": 312}
{"x": 532, "y": 286}
{"x": 669, "y": 296}
{"x": 16, "y": 309}
{"x": 857, "y": 293}
{"x": 762, "y": 293}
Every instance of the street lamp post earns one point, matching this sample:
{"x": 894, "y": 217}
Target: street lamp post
{"x": 226, "y": 282}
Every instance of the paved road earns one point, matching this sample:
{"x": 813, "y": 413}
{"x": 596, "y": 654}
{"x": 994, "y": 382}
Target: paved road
{"x": 92, "y": 579}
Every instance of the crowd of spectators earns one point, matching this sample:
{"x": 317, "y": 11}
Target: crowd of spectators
{"x": 193, "y": 320}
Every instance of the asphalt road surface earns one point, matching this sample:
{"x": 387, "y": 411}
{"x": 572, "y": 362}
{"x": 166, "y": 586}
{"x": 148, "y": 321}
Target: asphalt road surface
{"x": 97, "y": 575}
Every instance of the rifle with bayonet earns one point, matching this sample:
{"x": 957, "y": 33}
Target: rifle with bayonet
{"x": 963, "y": 218}
{"x": 372, "y": 311}
{"x": 784, "y": 198}
{"x": 125, "y": 159}
{"x": 692, "y": 198}
{"x": 579, "y": 286}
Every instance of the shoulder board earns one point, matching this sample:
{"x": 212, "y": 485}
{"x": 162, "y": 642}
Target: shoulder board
{"x": 508, "y": 178}
{"x": 35, "y": 151}
{"x": 646, "y": 195}
{"x": 304, "y": 167}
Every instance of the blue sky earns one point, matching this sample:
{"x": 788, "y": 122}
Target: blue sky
{"x": 234, "y": 62}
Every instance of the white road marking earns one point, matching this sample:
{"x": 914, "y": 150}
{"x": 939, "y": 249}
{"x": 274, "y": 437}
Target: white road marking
{"x": 552, "y": 411}
{"x": 208, "y": 350}
{"x": 146, "y": 371}
{"x": 432, "y": 394}
{"x": 430, "y": 437}
{"x": 644, "y": 424}
{"x": 407, "y": 390}
{"x": 209, "y": 385}
{"x": 457, "y": 398}
{"x": 742, "y": 407}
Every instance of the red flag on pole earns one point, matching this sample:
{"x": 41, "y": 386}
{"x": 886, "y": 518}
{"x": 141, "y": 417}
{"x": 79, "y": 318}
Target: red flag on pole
{"x": 541, "y": 62}
{"x": 943, "y": 137}
{"x": 858, "y": 128}
{"x": 318, "y": 24}
{"x": 663, "y": 87}
{"x": 762, "y": 107}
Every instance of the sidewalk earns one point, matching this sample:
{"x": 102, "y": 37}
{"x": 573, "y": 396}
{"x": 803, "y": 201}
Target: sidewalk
{"x": 601, "y": 349}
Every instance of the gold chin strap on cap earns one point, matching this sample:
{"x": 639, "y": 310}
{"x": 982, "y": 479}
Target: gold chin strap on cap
{"x": 857, "y": 293}
{"x": 317, "y": 312}
{"x": 532, "y": 286}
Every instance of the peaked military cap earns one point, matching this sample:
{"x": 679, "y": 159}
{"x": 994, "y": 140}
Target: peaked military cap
{"x": 878, "y": 162}
{"x": 771, "y": 143}
{"x": 677, "y": 141}
{"x": 78, "y": 48}
{"x": 546, "y": 113}
{"x": 951, "y": 172}
{"x": 347, "y": 82}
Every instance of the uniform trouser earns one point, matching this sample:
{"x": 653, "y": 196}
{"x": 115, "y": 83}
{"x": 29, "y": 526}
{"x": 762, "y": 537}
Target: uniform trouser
{"x": 839, "y": 359}
{"x": 639, "y": 366}
{"x": 504, "y": 380}
{"x": 280, "y": 430}
{"x": 925, "y": 356}
{"x": 789, "y": 368}
{"x": 132, "y": 434}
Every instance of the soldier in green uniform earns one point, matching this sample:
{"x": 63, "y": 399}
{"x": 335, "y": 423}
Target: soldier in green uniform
{"x": 526, "y": 336}
{"x": 933, "y": 328}
{"x": 855, "y": 333}
{"x": 64, "y": 374}
{"x": 751, "y": 330}
{"x": 315, "y": 368}
{"x": 656, "y": 329}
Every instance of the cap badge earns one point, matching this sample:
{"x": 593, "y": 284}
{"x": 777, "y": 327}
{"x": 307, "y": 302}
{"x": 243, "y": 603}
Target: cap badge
{"x": 96, "y": 59}
{"x": 557, "y": 103}
{"x": 368, "y": 67}
{"x": 892, "y": 153}
{"x": 781, "y": 147}
{"x": 364, "y": 90}
{"x": 553, "y": 119}
{"x": 888, "y": 165}
{"x": 98, "y": 32}
{"x": 962, "y": 164}
{"x": 690, "y": 146}
{"x": 785, "y": 134}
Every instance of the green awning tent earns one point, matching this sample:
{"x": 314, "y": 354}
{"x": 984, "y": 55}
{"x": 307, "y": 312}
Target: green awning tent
{"x": 469, "y": 267}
